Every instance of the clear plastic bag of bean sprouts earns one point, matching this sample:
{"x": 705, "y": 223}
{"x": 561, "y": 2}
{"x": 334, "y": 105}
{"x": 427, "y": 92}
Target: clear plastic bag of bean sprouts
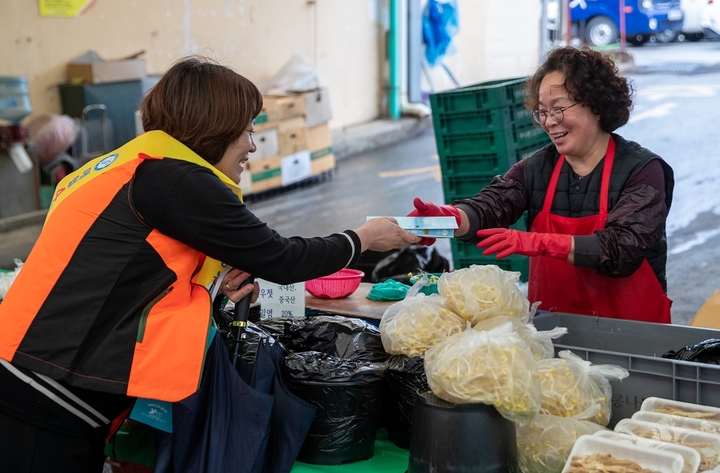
{"x": 492, "y": 367}
{"x": 571, "y": 385}
{"x": 480, "y": 292}
{"x": 545, "y": 442}
{"x": 539, "y": 342}
{"x": 410, "y": 327}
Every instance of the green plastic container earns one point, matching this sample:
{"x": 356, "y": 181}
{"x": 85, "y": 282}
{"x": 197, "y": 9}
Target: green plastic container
{"x": 517, "y": 135}
{"x": 491, "y": 94}
{"x": 480, "y": 120}
{"x": 485, "y": 162}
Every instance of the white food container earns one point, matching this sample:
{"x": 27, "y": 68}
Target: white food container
{"x": 691, "y": 458}
{"x": 708, "y": 413}
{"x": 652, "y": 459}
{"x": 707, "y": 445}
{"x": 679, "y": 421}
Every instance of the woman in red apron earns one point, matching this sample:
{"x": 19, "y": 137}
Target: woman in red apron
{"x": 596, "y": 203}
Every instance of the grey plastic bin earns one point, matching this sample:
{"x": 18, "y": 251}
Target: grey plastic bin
{"x": 638, "y": 347}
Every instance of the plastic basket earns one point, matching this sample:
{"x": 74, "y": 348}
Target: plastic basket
{"x": 335, "y": 286}
{"x": 503, "y": 141}
{"x": 481, "y": 120}
{"x": 491, "y": 94}
{"x": 465, "y": 186}
{"x": 485, "y": 162}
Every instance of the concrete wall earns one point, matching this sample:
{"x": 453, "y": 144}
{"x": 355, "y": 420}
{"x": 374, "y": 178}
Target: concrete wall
{"x": 344, "y": 39}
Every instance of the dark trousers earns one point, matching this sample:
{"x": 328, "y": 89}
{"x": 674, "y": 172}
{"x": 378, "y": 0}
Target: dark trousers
{"x": 25, "y": 448}
{"x": 37, "y": 435}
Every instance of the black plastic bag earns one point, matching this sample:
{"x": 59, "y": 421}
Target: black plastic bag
{"x": 404, "y": 377}
{"x": 342, "y": 337}
{"x": 316, "y": 366}
{"x": 348, "y": 398}
{"x": 367, "y": 262}
{"x": 707, "y": 351}
{"x": 409, "y": 259}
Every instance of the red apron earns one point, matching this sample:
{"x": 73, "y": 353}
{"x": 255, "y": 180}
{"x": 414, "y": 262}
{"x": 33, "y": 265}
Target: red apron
{"x": 563, "y": 287}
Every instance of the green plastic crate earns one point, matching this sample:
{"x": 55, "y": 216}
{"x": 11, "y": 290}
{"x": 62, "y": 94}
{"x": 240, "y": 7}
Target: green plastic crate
{"x": 476, "y": 163}
{"x": 491, "y": 94}
{"x": 485, "y": 162}
{"x": 465, "y": 186}
{"x": 481, "y": 120}
{"x": 496, "y": 141}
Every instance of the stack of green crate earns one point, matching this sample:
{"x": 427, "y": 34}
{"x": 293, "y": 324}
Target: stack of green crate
{"x": 480, "y": 132}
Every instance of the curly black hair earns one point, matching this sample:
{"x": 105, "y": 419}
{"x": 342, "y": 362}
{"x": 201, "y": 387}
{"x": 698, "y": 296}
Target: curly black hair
{"x": 591, "y": 78}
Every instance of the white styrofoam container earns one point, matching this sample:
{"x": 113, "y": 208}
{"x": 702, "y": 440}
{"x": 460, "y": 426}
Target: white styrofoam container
{"x": 653, "y": 459}
{"x": 691, "y": 458}
{"x": 679, "y": 421}
{"x": 652, "y": 403}
{"x": 707, "y": 445}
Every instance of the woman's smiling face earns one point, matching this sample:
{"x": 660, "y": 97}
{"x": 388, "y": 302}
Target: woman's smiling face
{"x": 576, "y": 135}
{"x": 236, "y": 155}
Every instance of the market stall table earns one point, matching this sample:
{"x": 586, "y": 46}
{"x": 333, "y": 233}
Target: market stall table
{"x": 355, "y": 305}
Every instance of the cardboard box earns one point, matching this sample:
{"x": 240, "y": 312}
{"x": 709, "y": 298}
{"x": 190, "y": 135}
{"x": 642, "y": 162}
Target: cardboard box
{"x": 319, "y": 141}
{"x": 292, "y": 136}
{"x": 277, "y": 108}
{"x": 263, "y": 165}
{"x": 322, "y": 164}
{"x": 267, "y": 144}
{"x": 317, "y": 107}
{"x": 708, "y": 315}
{"x": 108, "y": 71}
{"x": 266, "y": 174}
{"x": 296, "y": 167}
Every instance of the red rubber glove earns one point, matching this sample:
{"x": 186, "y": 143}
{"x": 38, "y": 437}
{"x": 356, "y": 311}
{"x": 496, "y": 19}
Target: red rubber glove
{"x": 430, "y": 209}
{"x": 506, "y": 242}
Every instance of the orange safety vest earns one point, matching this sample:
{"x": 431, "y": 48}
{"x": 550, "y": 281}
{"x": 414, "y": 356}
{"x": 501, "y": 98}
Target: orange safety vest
{"x": 170, "y": 331}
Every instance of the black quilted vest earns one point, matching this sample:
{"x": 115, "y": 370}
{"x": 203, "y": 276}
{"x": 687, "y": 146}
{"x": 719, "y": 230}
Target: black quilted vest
{"x": 581, "y": 198}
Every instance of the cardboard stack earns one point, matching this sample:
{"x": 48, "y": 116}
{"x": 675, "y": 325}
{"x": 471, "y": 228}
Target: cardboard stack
{"x": 293, "y": 141}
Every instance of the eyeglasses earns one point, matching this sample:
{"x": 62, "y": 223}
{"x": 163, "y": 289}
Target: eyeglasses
{"x": 556, "y": 113}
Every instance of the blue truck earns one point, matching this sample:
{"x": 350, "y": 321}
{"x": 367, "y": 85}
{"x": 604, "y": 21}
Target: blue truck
{"x": 598, "y": 21}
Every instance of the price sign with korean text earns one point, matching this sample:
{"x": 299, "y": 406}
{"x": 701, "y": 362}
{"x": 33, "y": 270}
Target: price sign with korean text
{"x": 281, "y": 300}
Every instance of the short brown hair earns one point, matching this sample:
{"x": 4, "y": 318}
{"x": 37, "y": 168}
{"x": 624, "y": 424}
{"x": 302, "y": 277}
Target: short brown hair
{"x": 591, "y": 78}
{"x": 202, "y": 104}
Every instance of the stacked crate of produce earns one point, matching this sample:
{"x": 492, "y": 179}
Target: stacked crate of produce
{"x": 293, "y": 142}
{"x": 480, "y": 132}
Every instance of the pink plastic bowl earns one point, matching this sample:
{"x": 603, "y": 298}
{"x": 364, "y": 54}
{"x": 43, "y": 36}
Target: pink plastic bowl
{"x": 336, "y": 285}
